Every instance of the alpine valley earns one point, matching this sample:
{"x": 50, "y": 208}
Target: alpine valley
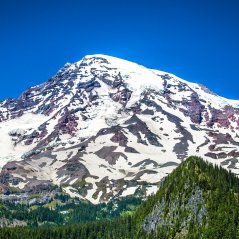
{"x": 106, "y": 132}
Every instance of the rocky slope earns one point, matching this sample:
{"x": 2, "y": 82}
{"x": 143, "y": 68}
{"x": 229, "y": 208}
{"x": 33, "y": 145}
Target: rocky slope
{"x": 105, "y": 127}
{"x": 197, "y": 200}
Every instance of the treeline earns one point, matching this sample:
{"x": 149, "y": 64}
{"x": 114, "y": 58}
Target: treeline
{"x": 67, "y": 212}
{"x": 220, "y": 191}
{"x": 119, "y": 228}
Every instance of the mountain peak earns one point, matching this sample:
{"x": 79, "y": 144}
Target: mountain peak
{"x": 111, "y": 61}
{"x": 104, "y": 122}
{"x": 107, "y": 57}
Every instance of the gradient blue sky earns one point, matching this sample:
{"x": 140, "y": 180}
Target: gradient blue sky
{"x": 197, "y": 40}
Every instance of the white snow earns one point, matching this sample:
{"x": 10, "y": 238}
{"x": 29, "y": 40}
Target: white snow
{"x": 152, "y": 190}
{"x": 107, "y": 113}
{"x": 9, "y": 151}
{"x": 129, "y": 191}
{"x": 215, "y": 100}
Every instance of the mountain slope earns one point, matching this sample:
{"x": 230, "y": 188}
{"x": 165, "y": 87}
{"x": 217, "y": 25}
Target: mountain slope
{"x": 105, "y": 127}
{"x": 197, "y": 200}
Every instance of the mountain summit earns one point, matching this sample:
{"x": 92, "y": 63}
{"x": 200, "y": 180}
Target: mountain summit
{"x": 104, "y": 127}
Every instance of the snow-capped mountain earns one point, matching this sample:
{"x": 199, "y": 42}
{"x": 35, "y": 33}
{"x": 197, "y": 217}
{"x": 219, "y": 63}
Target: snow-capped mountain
{"x": 105, "y": 127}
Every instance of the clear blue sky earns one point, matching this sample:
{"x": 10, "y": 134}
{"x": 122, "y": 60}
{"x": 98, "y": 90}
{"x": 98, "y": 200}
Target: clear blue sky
{"x": 197, "y": 40}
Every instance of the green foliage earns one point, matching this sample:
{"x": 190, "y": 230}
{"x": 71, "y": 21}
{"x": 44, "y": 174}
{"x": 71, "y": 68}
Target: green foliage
{"x": 218, "y": 187}
{"x": 65, "y": 211}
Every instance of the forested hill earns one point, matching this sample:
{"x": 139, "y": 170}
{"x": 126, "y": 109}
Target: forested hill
{"x": 197, "y": 200}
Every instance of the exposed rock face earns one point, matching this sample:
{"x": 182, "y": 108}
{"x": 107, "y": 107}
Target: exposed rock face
{"x": 107, "y": 122}
{"x": 194, "y": 206}
{"x": 12, "y": 223}
{"x": 109, "y": 155}
{"x": 195, "y": 108}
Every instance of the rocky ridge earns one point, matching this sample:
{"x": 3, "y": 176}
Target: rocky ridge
{"x": 105, "y": 127}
